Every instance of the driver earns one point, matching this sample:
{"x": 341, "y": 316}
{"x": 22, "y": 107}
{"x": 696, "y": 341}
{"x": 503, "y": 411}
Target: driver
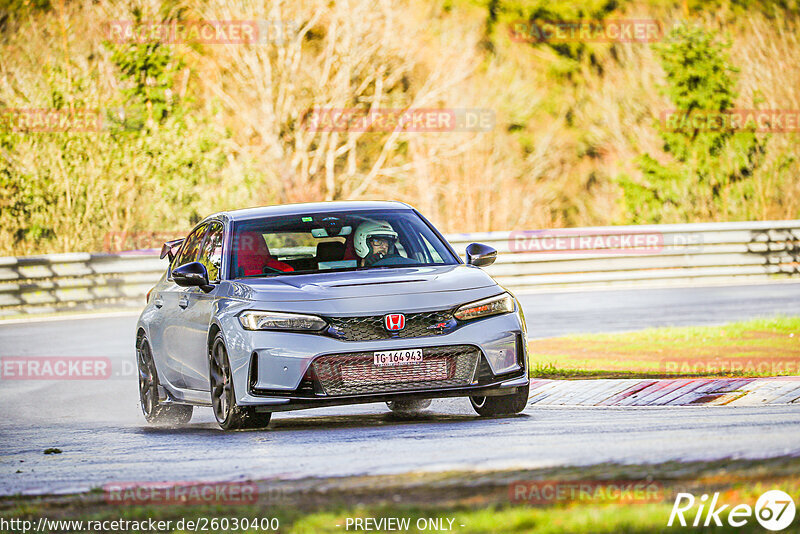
{"x": 373, "y": 241}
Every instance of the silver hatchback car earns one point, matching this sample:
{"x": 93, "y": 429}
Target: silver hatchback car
{"x": 309, "y": 305}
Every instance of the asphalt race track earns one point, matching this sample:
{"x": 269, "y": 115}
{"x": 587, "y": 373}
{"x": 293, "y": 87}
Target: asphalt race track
{"x": 557, "y": 314}
{"x": 104, "y": 438}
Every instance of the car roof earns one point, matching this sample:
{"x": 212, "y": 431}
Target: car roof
{"x": 308, "y": 207}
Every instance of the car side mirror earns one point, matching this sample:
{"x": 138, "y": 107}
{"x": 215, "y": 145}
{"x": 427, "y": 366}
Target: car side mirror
{"x": 193, "y": 274}
{"x": 480, "y": 255}
{"x": 170, "y": 248}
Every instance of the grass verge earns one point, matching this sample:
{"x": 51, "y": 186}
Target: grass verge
{"x": 760, "y": 347}
{"x": 465, "y": 502}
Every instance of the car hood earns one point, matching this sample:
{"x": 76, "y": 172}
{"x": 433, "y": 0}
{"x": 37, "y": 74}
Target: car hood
{"x": 429, "y": 287}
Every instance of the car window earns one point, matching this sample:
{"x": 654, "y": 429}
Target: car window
{"x": 335, "y": 241}
{"x": 190, "y": 247}
{"x": 211, "y": 252}
{"x": 291, "y": 244}
{"x": 431, "y": 250}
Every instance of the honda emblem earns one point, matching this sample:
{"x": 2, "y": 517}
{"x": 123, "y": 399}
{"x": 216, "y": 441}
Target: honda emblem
{"x": 394, "y": 321}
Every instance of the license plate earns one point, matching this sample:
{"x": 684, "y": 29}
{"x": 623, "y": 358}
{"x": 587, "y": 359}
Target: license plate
{"x": 397, "y": 357}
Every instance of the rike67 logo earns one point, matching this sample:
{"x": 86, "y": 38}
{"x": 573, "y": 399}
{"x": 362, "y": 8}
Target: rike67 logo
{"x": 774, "y": 511}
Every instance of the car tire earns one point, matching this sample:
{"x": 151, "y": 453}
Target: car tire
{"x": 408, "y": 406}
{"x": 154, "y": 410}
{"x": 501, "y": 405}
{"x": 228, "y": 414}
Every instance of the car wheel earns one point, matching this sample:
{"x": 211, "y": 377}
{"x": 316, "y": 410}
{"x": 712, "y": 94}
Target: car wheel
{"x": 502, "y": 405}
{"x": 408, "y": 406}
{"x": 153, "y": 409}
{"x": 223, "y": 399}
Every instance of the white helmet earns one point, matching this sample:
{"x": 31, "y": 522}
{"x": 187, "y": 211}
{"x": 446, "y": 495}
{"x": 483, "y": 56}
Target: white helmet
{"x": 368, "y": 229}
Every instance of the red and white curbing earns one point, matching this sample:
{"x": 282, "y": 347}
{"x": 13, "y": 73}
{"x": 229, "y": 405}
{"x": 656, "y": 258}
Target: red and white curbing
{"x": 666, "y": 392}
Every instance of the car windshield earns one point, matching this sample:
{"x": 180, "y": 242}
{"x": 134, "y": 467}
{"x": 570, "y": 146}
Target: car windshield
{"x": 323, "y": 242}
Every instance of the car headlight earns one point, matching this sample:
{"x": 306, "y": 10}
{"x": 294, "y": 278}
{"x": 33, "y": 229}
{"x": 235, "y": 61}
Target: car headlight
{"x": 266, "y": 320}
{"x": 483, "y": 308}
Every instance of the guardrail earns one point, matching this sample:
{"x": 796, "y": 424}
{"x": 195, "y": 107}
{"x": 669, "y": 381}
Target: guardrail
{"x": 564, "y": 259}
{"x": 75, "y": 281}
{"x": 658, "y": 255}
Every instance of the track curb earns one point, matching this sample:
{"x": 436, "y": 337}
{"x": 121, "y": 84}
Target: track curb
{"x": 666, "y": 392}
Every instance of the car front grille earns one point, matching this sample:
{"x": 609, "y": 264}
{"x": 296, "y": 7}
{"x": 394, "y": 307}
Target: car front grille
{"x": 371, "y": 327}
{"x": 354, "y": 373}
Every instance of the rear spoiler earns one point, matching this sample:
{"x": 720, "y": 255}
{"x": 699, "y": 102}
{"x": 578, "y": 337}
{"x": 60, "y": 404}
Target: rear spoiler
{"x": 170, "y": 248}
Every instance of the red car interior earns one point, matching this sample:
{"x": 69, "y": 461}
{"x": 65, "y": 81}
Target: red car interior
{"x": 253, "y": 255}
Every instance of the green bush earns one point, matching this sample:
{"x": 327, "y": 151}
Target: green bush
{"x": 708, "y": 167}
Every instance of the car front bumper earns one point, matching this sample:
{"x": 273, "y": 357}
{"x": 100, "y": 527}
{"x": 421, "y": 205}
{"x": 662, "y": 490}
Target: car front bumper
{"x": 272, "y": 369}
{"x": 295, "y": 402}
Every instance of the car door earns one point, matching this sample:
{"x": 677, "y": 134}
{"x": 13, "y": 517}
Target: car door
{"x": 198, "y": 311}
{"x": 171, "y": 298}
